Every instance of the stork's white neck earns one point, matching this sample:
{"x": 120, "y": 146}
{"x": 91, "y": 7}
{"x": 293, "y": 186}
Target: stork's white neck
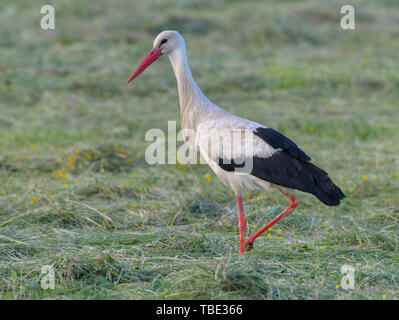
{"x": 193, "y": 102}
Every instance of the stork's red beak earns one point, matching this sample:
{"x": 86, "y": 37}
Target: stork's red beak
{"x": 150, "y": 58}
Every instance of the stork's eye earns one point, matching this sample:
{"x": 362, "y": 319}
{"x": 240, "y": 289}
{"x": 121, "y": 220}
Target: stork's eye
{"x": 163, "y": 41}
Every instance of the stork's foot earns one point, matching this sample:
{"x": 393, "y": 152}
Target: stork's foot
{"x": 249, "y": 244}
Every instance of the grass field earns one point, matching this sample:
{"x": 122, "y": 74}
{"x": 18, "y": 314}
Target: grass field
{"x": 77, "y": 194}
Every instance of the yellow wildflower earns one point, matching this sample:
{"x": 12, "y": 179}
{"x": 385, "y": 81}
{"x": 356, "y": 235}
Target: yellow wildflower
{"x": 208, "y": 177}
{"x": 365, "y": 178}
{"x": 71, "y": 164}
{"x": 337, "y": 286}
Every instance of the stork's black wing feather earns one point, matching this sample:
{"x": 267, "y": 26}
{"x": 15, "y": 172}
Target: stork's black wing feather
{"x": 280, "y": 141}
{"x": 290, "y": 167}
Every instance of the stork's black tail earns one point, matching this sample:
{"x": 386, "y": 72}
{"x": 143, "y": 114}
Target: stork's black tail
{"x": 317, "y": 182}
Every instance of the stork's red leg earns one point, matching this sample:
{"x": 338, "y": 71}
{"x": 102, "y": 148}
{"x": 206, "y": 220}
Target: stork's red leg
{"x": 242, "y": 223}
{"x": 249, "y": 243}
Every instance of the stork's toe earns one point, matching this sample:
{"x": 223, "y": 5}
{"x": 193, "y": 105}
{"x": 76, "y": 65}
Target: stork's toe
{"x": 249, "y": 245}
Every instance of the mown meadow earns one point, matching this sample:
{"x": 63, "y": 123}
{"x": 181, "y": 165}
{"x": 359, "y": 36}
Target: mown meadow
{"x": 77, "y": 194}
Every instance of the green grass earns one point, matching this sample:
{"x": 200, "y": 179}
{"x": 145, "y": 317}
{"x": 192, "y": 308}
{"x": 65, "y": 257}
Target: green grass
{"x": 114, "y": 227}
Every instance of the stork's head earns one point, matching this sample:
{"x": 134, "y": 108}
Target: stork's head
{"x": 165, "y": 43}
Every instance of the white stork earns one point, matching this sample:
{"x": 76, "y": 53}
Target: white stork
{"x": 272, "y": 158}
